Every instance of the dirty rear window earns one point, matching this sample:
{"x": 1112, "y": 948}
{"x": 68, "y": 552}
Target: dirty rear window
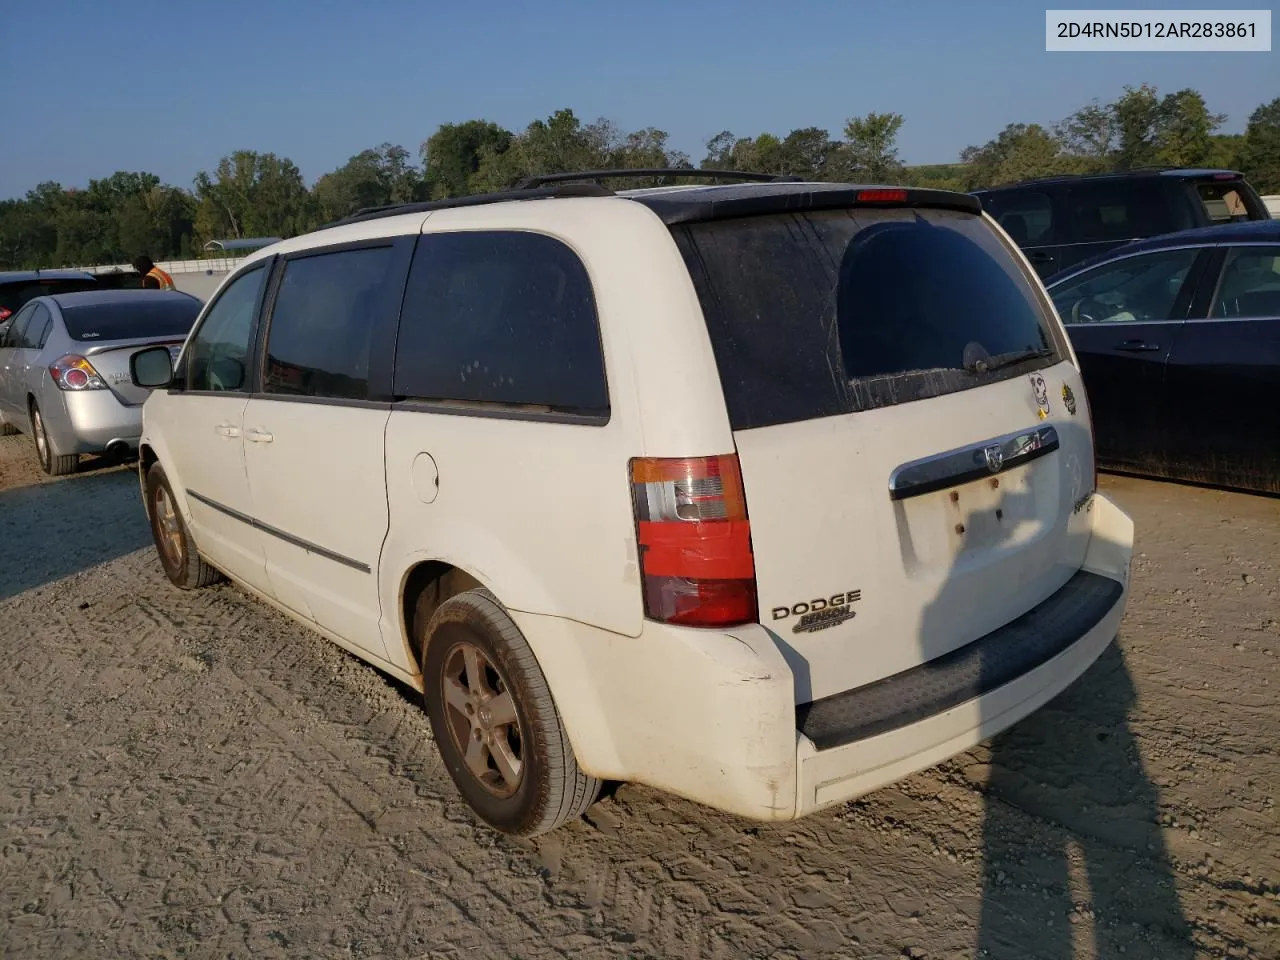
{"x": 134, "y": 320}
{"x": 832, "y": 312}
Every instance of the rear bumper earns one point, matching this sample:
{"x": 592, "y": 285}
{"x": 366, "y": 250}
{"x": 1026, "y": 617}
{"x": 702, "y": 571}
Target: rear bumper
{"x": 87, "y": 421}
{"x": 711, "y": 716}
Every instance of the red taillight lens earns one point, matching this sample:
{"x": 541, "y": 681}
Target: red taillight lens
{"x": 882, "y": 196}
{"x": 1226, "y": 176}
{"x": 5, "y": 314}
{"x": 73, "y": 372}
{"x": 695, "y": 541}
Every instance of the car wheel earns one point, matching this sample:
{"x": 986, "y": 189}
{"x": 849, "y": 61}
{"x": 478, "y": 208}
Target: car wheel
{"x": 182, "y": 563}
{"x": 494, "y": 719}
{"x": 54, "y": 464}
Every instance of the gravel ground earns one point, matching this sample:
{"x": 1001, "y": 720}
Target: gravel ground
{"x": 194, "y": 775}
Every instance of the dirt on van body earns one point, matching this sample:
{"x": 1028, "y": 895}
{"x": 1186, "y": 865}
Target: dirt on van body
{"x": 191, "y": 774}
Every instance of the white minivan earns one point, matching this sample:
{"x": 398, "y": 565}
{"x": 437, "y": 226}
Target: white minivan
{"x": 765, "y": 494}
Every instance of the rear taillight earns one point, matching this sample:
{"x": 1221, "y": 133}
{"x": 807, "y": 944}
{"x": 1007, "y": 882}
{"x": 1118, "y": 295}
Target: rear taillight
{"x": 695, "y": 541}
{"x": 74, "y": 372}
{"x": 5, "y": 314}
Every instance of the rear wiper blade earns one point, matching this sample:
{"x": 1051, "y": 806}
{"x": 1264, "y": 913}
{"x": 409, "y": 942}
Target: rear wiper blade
{"x": 1006, "y": 360}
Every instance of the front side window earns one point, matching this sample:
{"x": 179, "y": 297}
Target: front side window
{"x": 218, "y": 355}
{"x": 319, "y": 335}
{"x": 501, "y": 317}
{"x": 1250, "y": 284}
{"x": 1135, "y": 289}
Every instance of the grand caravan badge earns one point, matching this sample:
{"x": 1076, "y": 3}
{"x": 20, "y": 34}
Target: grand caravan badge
{"x": 820, "y": 614}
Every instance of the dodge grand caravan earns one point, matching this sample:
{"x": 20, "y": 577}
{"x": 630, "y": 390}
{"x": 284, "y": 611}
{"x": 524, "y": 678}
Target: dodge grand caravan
{"x": 766, "y": 494}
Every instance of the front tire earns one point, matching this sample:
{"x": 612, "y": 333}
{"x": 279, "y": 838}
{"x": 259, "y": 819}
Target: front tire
{"x": 53, "y": 464}
{"x": 177, "y": 551}
{"x": 494, "y": 719}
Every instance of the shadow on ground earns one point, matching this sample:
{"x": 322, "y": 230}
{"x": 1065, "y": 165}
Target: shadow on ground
{"x": 1076, "y": 865}
{"x": 49, "y": 531}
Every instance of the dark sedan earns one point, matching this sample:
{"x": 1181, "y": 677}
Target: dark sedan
{"x": 1179, "y": 343}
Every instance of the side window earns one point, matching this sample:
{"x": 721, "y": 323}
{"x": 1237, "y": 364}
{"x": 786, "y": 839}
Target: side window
{"x": 218, "y": 355}
{"x": 1144, "y": 287}
{"x": 17, "y": 326}
{"x": 1026, "y": 215}
{"x": 1250, "y": 284}
{"x": 319, "y": 334}
{"x": 1120, "y": 210}
{"x": 38, "y": 329}
{"x": 500, "y": 317}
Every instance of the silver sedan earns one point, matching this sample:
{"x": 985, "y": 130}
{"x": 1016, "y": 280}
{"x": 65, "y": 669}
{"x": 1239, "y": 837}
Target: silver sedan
{"x": 64, "y": 369}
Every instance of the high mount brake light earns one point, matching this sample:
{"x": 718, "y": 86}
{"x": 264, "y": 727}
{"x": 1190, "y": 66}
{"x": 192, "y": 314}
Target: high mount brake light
{"x": 882, "y": 196}
{"x": 695, "y": 541}
{"x": 74, "y": 372}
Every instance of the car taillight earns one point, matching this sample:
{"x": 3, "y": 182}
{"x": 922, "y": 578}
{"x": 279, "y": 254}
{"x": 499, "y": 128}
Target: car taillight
{"x": 74, "y": 372}
{"x": 695, "y": 541}
{"x": 5, "y": 314}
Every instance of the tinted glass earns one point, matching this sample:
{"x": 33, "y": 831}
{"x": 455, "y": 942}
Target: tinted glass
{"x": 132, "y": 319}
{"x": 1120, "y": 210}
{"x": 1141, "y": 288}
{"x": 1250, "y": 284}
{"x": 823, "y": 313}
{"x": 37, "y": 331}
{"x": 1026, "y": 215}
{"x": 16, "y": 294}
{"x": 17, "y": 326}
{"x": 500, "y": 317}
{"x": 1227, "y": 201}
{"x": 318, "y": 340}
{"x": 218, "y": 354}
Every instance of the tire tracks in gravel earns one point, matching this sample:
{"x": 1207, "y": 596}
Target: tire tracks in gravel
{"x": 192, "y": 774}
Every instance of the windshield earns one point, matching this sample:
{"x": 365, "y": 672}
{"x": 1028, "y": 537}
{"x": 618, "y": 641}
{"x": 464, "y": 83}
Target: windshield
{"x": 132, "y": 320}
{"x": 823, "y": 313}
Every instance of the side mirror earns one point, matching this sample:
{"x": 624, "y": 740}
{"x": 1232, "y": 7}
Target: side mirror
{"x": 151, "y": 368}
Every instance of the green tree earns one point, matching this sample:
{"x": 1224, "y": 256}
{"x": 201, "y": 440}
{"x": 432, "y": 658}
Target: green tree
{"x": 252, "y": 194}
{"x": 870, "y": 151}
{"x": 372, "y": 178}
{"x": 1260, "y": 149}
{"x": 452, "y": 155}
{"x": 1184, "y": 130}
{"x": 1091, "y": 134}
{"x": 1020, "y": 152}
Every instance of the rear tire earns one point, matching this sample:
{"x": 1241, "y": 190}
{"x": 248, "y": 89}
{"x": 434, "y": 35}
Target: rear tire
{"x": 181, "y": 561}
{"x": 54, "y": 464}
{"x": 491, "y": 710}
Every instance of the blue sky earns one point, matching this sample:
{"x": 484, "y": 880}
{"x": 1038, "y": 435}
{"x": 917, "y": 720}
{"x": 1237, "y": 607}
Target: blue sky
{"x": 90, "y": 88}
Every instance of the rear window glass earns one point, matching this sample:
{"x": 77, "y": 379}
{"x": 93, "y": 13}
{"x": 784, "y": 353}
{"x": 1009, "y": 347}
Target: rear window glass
{"x": 824, "y": 313}
{"x": 1026, "y": 215}
{"x": 1227, "y": 201}
{"x": 135, "y": 319}
{"x": 13, "y": 296}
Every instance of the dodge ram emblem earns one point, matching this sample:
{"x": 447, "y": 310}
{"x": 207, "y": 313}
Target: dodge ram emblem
{"x": 994, "y": 454}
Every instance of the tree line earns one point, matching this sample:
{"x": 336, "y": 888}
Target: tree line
{"x": 252, "y": 194}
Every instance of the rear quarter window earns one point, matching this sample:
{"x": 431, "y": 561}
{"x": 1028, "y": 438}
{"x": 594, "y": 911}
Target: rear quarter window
{"x": 818, "y": 314}
{"x": 502, "y": 318}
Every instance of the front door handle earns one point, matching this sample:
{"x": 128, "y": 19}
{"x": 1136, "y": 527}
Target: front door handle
{"x": 1137, "y": 346}
{"x": 227, "y": 430}
{"x": 254, "y": 435}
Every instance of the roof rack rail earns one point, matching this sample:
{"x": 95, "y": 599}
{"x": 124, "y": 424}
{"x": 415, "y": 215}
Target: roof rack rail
{"x": 596, "y": 175}
{"x": 474, "y": 200}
